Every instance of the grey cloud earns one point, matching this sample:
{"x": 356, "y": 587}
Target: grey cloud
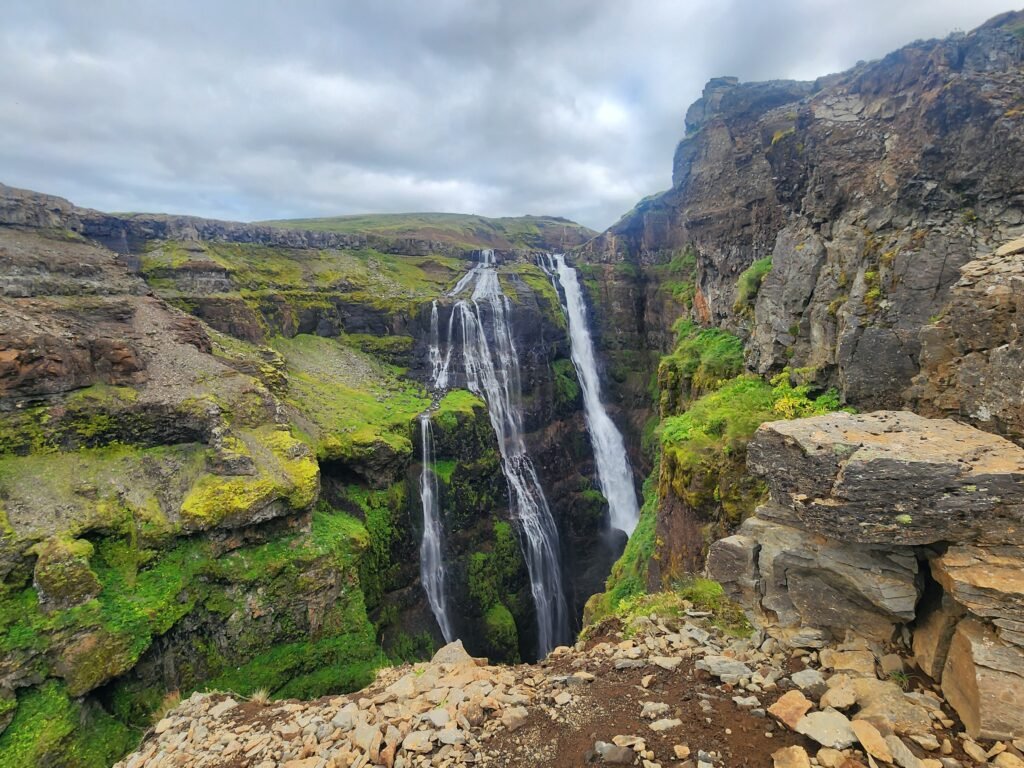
{"x": 267, "y": 109}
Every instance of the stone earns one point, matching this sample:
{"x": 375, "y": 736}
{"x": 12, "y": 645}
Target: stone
{"x": 419, "y": 741}
{"x": 219, "y": 710}
{"x": 451, "y": 736}
{"x": 890, "y": 477}
{"x": 453, "y": 653}
{"x": 681, "y": 751}
{"x": 1007, "y": 760}
{"x": 665, "y": 724}
{"x": 563, "y": 698}
{"x": 882, "y": 701}
{"x": 726, "y": 669}
{"x": 812, "y": 588}
{"x": 987, "y": 581}
{"x": 852, "y": 662}
{"x": 830, "y": 728}
{"x": 891, "y": 664}
{"x": 613, "y": 754}
{"x": 830, "y": 758}
{"x": 975, "y": 751}
{"x": 514, "y": 718}
{"x": 841, "y": 693}
{"x": 666, "y": 662}
{"x": 933, "y": 632}
{"x": 872, "y": 741}
{"x": 438, "y": 717}
{"x": 653, "y": 709}
{"x": 790, "y": 708}
{"x": 901, "y": 754}
{"x": 810, "y": 681}
{"x": 790, "y": 757}
{"x": 982, "y": 680}
{"x": 925, "y": 740}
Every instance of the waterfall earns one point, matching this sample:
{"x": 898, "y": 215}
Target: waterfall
{"x": 432, "y": 572}
{"x": 493, "y": 374}
{"x": 613, "y": 470}
{"x": 434, "y": 352}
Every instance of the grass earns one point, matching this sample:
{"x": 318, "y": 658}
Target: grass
{"x": 703, "y": 360}
{"x": 455, "y": 229}
{"x": 352, "y": 403}
{"x": 749, "y": 283}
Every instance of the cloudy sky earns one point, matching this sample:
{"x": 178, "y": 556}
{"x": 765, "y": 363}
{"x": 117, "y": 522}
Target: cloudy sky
{"x": 256, "y": 109}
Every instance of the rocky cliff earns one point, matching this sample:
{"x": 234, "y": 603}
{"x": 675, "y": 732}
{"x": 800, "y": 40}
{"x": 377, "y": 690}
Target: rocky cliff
{"x": 864, "y": 192}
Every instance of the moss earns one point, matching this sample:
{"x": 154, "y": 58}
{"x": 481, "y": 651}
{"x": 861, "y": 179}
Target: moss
{"x": 353, "y": 404}
{"x": 62, "y": 573}
{"x": 567, "y": 388}
{"x": 704, "y": 358}
{"x": 492, "y": 580}
{"x": 628, "y": 576}
{"x": 782, "y": 133}
{"x": 49, "y": 728}
{"x": 691, "y": 593}
{"x": 455, "y": 406}
{"x": 500, "y": 636}
{"x": 749, "y": 283}
{"x": 539, "y": 285}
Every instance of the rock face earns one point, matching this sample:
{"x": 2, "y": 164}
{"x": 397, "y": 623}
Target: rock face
{"x": 972, "y": 357}
{"x": 868, "y": 190}
{"x": 889, "y": 519}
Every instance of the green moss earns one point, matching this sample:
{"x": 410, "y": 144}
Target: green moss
{"x": 492, "y": 575}
{"x": 704, "y": 358}
{"x": 500, "y": 635}
{"x": 456, "y": 405}
{"x": 567, "y": 388}
{"x": 444, "y": 469}
{"x": 354, "y": 405}
{"x": 749, "y": 283}
{"x": 628, "y": 576}
{"x": 678, "y": 277}
{"x": 49, "y": 728}
{"x": 691, "y": 593}
{"x": 782, "y": 133}
{"x": 540, "y": 286}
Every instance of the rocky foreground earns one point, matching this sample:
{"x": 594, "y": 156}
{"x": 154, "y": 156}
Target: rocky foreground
{"x": 654, "y": 691}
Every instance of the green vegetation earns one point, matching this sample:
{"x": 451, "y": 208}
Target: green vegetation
{"x": 456, "y": 405}
{"x": 455, "y": 229}
{"x": 749, "y": 283}
{"x": 50, "y": 728}
{"x": 628, "y": 576}
{"x": 703, "y": 360}
{"x": 691, "y": 593}
{"x": 567, "y": 388}
{"x": 492, "y": 580}
{"x": 678, "y": 277}
{"x": 782, "y": 133}
{"x": 352, "y": 404}
{"x": 538, "y": 283}
{"x": 500, "y": 635}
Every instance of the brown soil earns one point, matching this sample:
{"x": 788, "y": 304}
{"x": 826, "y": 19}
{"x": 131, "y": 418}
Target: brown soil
{"x": 611, "y": 706}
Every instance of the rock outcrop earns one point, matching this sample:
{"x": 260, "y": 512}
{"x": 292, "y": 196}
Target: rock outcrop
{"x": 866, "y": 192}
{"x": 890, "y": 521}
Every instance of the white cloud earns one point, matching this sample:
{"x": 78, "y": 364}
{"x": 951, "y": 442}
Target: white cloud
{"x": 263, "y": 110}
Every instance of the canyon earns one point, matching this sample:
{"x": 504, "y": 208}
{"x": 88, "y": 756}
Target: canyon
{"x": 276, "y": 460}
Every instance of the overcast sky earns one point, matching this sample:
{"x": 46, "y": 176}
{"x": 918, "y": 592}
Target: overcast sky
{"x": 252, "y": 110}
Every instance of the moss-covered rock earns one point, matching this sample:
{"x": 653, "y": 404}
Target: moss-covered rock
{"x": 62, "y": 575}
{"x": 500, "y": 636}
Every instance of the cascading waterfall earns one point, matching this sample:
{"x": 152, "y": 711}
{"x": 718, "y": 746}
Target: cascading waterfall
{"x": 613, "y": 471}
{"x": 432, "y": 572}
{"x": 493, "y": 374}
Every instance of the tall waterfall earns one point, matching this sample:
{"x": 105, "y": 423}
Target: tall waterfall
{"x": 613, "y": 470}
{"x": 493, "y": 374}
{"x": 432, "y": 572}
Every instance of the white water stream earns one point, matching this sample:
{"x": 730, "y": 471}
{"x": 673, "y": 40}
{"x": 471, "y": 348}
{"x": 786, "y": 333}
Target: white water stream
{"x": 432, "y": 571}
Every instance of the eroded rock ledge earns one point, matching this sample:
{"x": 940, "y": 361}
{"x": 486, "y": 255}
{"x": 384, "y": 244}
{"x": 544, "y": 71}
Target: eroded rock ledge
{"x": 892, "y": 525}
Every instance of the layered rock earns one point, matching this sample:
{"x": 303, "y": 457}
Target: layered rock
{"x": 889, "y": 520}
{"x": 972, "y": 356}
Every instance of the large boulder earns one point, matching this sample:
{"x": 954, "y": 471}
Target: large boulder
{"x": 989, "y": 582}
{"x": 891, "y": 477}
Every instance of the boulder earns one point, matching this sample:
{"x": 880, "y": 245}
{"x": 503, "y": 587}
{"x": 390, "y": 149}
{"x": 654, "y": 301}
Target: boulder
{"x": 982, "y": 680}
{"x": 892, "y": 478}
